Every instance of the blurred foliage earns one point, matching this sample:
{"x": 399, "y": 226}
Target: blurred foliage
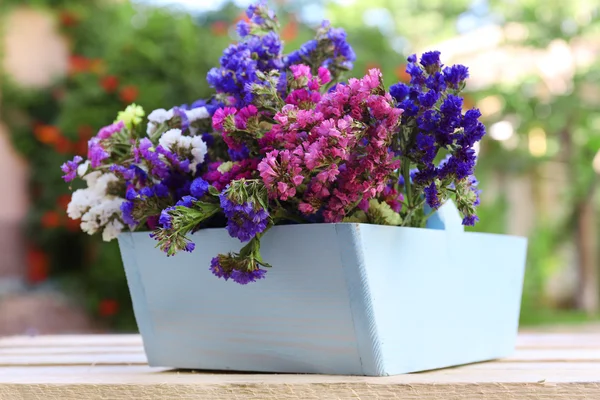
{"x": 119, "y": 54}
{"x": 122, "y": 53}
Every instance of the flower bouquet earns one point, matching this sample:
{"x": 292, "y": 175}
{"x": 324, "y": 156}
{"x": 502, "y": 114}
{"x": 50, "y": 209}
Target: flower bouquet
{"x": 333, "y": 183}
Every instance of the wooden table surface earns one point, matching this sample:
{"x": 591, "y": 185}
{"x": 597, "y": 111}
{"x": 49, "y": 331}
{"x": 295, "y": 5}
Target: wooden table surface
{"x": 544, "y": 366}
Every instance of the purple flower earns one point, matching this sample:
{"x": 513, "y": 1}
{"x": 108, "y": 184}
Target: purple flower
{"x": 186, "y": 201}
{"x": 429, "y": 99}
{"x": 243, "y": 28}
{"x": 399, "y": 91}
{"x": 199, "y": 188}
{"x": 244, "y": 221}
{"x": 165, "y": 220}
{"x": 96, "y": 152}
{"x": 126, "y": 213}
{"x": 436, "y": 82}
{"x": 470, "y": 220}
{"x": 189, "y": 247}
{"x": 431, "y": 59}
{"x": 409, "y": 107}
{"x": 432, "y": 197}
{"x": 70, "y": 168}
{"x": 245, "y": 277}
{"x": 455, "y": 75}
{"x": 239, "y": 154}
{"x": 217, "y": 269}
{"x": 110, "y": 130}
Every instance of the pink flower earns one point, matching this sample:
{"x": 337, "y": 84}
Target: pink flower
{"x": 110, "y": 130}
{"x": 243, "y": 115}
{"x": 324, "y": 75}
{"x": 301, "y": 71}
{"x": 306, "y": 208}
{"x": 220, "y": 115}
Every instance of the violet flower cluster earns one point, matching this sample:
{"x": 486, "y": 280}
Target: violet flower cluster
{"x": 284, "y": 140}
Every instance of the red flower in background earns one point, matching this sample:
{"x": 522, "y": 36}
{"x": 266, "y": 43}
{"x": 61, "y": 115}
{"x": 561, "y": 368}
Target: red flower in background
{"x": 78, "y": 64}
{"x": 50, "y": 220}
{"x": 38, "y": 265}
{"x": 63, "y": 201}
{"x": 219, "y": 28}
{"x": 72, "y": 225}
{"x": 290, "y": 30}
{"x": 108, "y": 307}
{"x": 46, "y": 134}
{"x": 109, "y": 83}
{"x": 401, "y": 74}
{"x": 128, "y": 94}
{"x": 68, "y": 18}
{"x": 63, "y": 145}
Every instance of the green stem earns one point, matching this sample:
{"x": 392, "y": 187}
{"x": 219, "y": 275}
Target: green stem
{"x": 407, "y": 184}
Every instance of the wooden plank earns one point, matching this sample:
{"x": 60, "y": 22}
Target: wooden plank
{"x": 524, "y": 340}
{"x": 558, "y": 340}
{"x": 74, "y": 359}
{"x": 144, "y": 383}
{"x": 26, "y": 351}
{"x": 142, "y": 375}
{"x": 125, "y": 355}
{"x": 71, "y": 340}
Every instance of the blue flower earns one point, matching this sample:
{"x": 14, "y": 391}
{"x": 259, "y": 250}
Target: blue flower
{"x": 245, "y": 277}
{"x": 217, "y": 269}
{"x": 455, "y": 75}
{"x": 399, "y": 91}
{"x": 165, "y": 220}
{"x": 432, "y": 197}
{"x": 470, "y": 220}
{"x": 199, "y": 188}
{"x": 431, "y": 59}
{"x": 436, "y": 82}
{"x": 244, "y": 221}
{"x": 239, "y": 155}
{"x": 186, "y": 201}
{"x": 428, "y": 99}
{"x": 126, "y": 213}
{"x": 410, "y": 109}
{"x": 243, "y": 28}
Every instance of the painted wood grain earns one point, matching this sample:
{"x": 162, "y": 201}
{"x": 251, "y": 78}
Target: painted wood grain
{"x": 365, "y": 300}
{"x": 60, "y": 376}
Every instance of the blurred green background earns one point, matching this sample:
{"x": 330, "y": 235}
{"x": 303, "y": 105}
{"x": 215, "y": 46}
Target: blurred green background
{"x": 535, "y": 75}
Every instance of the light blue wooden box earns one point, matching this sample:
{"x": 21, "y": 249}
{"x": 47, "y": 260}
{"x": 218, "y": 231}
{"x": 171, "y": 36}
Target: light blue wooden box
{"x": 353, "y": 299}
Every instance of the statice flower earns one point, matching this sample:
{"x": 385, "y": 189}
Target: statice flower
{"x": 96, "y": 206}
{"x": 237, "y": 268}
{"x": 330, "y": 49}
{"x": 330, "y": 169}
{"x": 432, "y": 105}
{"x": 241, "y": 204}
{"x": 70, "y": 168}
{"x": 260, "y": 50}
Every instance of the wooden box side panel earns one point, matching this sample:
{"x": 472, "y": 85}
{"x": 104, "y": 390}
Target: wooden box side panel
{"x": 443, "y": 298}
{"x": 298, "y": 319}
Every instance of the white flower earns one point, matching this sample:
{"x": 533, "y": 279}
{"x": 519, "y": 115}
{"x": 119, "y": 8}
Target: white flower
{"x": 173, "y": 140}
{"x": 94, "y": 206}
{"x": 80, "y": 203}
{"x": 157, "y": 117}
{"x": 82, "y": 168}
{"x": 197, "y": 113}
{"x": 160, "y": 116}
{"x": 112, "y": 230}
{"x": 199, "y": 151}
{"x": 170, "y": 138}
